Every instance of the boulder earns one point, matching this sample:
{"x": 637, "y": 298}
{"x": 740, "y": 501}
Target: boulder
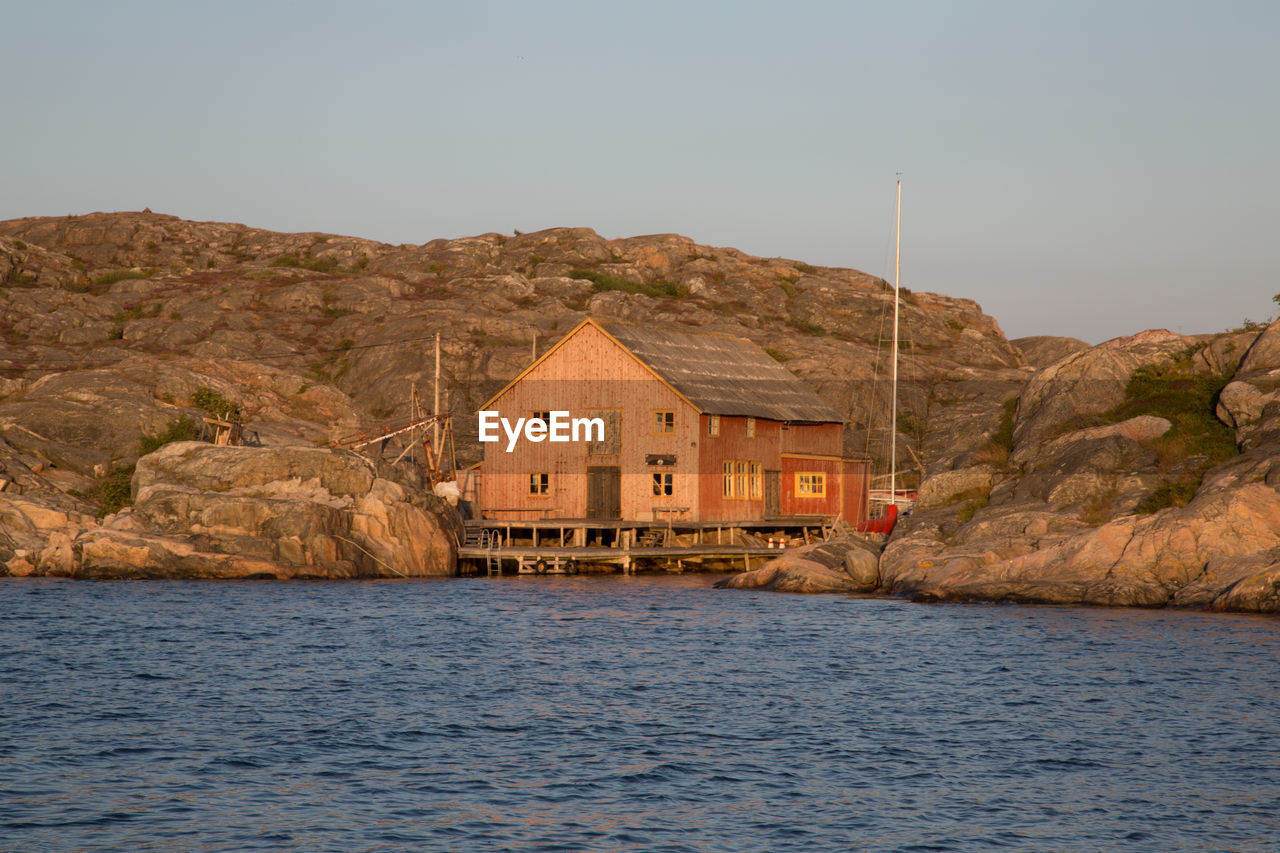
{"x": 842, "y": 564}
{"x": 947, "y": 486}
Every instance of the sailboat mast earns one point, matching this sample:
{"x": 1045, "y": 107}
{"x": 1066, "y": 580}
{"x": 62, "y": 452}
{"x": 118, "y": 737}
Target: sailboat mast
{"x": 893, "y": 410}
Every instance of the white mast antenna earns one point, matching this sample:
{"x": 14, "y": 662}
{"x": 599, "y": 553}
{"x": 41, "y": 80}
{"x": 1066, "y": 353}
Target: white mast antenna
{"x": 893, "y": 411}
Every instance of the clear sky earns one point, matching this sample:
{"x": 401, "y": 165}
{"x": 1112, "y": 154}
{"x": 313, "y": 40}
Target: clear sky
{"x": 1080, "y": 168}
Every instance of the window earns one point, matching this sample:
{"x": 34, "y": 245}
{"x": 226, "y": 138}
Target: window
{"x": 743, "y": 480}
{"x": 664, "y": 422}
{"x": 543, "y": 416}
{"x": 811, "y": 484}
{"x": 713, "y": 425}
{"x": 539, "y": 484}
{"x": 751, "y": 427}
{"x": 662, "y": 485}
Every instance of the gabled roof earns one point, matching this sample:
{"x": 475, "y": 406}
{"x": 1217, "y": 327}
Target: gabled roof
{"x": 722, "y": 375}
{"x": 717, "y": 374}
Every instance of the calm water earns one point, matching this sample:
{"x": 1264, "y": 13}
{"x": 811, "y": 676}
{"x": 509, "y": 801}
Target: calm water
{"x": 623, "y": 714}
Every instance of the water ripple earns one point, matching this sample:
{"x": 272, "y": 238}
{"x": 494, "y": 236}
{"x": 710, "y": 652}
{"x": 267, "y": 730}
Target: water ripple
{"x": 614, "y": 714}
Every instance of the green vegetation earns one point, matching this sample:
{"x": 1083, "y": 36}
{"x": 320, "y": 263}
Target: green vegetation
{"x": 972, "y": 501}
{"x": 109, "y": 278}
{"x": 322, "y": 265}
{"x": 997, "y": 449}
{"x": 955, "y": 325}
{"x": 183, "y": 429}
{"x": 114, "y": 492}
{"x": 807, "y": 269}
{"x": 804, "y": 326}
{"x": 777, "y": 355}
{"x": 214, "y": 403}
{"x": 788, "y": 285}
{"x": 1188, "y": 401}
{"x": 912, "y": 425}
{"x": 1177, "y": 493}
{"x": 605, "y": 282}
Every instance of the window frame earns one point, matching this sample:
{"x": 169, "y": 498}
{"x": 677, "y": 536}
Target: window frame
{"x": 669, "y": 422}
{"x": 663, "y": 484}
{"x": 751, "y": 427}
{"x": 539, "y": 488}
{"x": 811, "y": 484}
{"x": 713, "y": 425}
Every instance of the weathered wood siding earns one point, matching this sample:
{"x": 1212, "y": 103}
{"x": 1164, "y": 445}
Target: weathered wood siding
{"x": 733, "y": 445}
{"x": 822, "y": 439}
{"x": 857, "y": 480}
{"x": 830, "y": 503}
{"x": 586, "y": 374}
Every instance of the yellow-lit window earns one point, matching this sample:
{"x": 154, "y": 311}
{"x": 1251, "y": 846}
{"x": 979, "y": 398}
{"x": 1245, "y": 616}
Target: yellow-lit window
{"x": 713, "y": 425}
{"x": 811, "y": 484}
{"x": 539, "y": 484}
{"x": 741, "y": 487}
{"x": 757, "y": 481}
{"x": 751, "y": 427}
{"x": 662, "y": 485}
{"x": 728, "y": 479}
{"x": 664, "y": 422}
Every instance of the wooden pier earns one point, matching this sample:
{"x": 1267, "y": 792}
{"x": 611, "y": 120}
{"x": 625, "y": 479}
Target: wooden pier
{"x": 568, "y": 546}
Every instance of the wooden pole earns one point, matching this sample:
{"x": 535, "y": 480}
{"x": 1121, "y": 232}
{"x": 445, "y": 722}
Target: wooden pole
{"x": 435, "y": 442}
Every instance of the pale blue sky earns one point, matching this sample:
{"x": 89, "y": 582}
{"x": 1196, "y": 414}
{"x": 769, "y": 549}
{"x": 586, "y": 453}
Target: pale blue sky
{"x": 1088, "y": 168}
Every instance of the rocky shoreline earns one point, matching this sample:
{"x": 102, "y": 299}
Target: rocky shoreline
{"x": 1139, "y": 472}
{"x": 1067, "y": 518}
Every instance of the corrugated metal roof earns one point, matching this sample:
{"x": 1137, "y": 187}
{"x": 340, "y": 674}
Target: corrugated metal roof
{"x": 723, "y": 375}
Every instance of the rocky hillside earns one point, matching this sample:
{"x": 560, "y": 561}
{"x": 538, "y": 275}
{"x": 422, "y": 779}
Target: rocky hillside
{"x": 119, "y": 331}
{"x": 313, "y": 332}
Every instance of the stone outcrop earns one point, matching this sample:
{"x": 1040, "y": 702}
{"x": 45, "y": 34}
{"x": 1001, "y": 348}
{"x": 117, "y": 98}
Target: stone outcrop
{"x": 207, "y": 511}
{"x": 1044, "y": 350}
{"x": 1060, "y": 522}
{"x": 843, "y": 564}
{"x": 1057, "y": 521}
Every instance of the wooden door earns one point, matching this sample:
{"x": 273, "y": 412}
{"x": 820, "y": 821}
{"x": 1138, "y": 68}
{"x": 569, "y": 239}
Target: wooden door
{"x": 604, "y": 491}
{"x": 772, "y": 494}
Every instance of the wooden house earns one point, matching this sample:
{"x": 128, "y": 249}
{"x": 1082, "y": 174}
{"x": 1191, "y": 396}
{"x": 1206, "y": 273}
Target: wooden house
{"x": 697, "y": 426}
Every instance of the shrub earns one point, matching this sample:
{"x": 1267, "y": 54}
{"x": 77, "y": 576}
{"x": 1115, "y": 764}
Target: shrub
{"x": 973, "y": 500}
{"x": 955, "y": 325}
{"x": 1188, "y": 401}
{"x": 777, "y": 355}
{"x": 113, "y": 492}
{"x": 214, "y": 403}
{"x": 812, "y": 329}
{"x": 605, "y": 282}
{"x": 109, "y": 278}
{"x": 183, "y": 429}
{"x": 1177, "y": 493}
{"x": 323, "y": 265}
